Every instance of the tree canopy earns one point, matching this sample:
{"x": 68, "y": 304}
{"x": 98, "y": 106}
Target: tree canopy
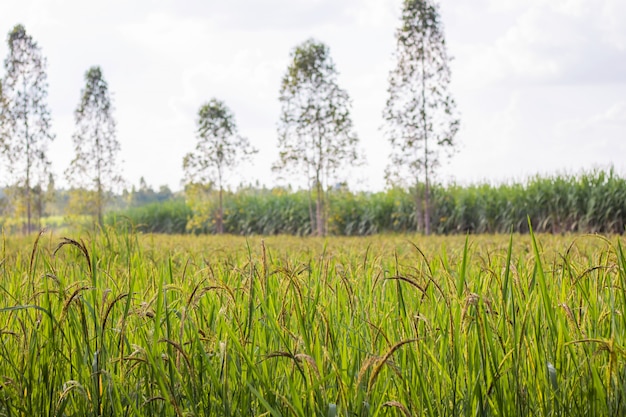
{"x": 420, "y": 113}
{"x": 219, "y": 149}
{"x": 315, "y": 132}
{"x": 95, "y": 167}
{"x": 26, "y": 119}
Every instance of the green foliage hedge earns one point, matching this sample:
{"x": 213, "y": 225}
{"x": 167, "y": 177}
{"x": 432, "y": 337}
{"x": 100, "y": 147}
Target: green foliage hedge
{"x": 589, "y": 202}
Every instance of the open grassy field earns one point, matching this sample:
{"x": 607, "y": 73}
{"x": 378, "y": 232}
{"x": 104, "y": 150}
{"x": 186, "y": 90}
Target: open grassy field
{"x": 143, "y": 325}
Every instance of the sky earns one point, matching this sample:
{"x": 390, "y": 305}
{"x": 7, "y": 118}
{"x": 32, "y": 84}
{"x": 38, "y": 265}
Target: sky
{"x": 540, "y": 85}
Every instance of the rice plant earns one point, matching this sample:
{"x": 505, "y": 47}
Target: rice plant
{"x": 122, "y": 324}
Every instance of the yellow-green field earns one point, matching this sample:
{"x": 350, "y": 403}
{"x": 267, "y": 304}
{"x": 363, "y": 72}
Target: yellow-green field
{"x": 142, "y": 325}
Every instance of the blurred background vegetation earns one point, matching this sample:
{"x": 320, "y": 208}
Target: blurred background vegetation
{"x": 590, "y": 202}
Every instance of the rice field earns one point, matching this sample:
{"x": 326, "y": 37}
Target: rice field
{"x": 148, "y": 325}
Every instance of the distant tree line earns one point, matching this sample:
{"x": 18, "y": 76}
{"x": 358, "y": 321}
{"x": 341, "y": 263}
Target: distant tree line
{"x": 317, "y": 142}
{"x": 60, "y": 212}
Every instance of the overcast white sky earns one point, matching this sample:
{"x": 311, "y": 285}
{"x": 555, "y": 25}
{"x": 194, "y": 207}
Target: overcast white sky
{"x": 540, "y": 84}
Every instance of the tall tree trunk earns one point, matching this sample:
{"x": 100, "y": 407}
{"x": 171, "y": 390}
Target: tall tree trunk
{"x": 427, "y": 205}
{"x": 319, "y": 206}
{"x": 99, "y": 204}
{"x": 220, "y": 213}
{"x": 419, "y": 206}
{"x": 426, "y": 162}
{"x": 38, "y": 206}
{"x": 28, "y": 204}
{"x": 311, "y": 216}
{"x": 319, "y": 210}
{"x": 98, "y": 178}
{"x": 28, "y": 167}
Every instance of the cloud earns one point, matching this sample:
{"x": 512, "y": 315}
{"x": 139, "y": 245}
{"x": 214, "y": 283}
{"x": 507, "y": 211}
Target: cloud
{"x": 539, "y": 83}
{"x": 268, "y": 15}
{"x": 374, "y": 13}
{"x": 547, "y": 42}
{"x": 604, "y": 131}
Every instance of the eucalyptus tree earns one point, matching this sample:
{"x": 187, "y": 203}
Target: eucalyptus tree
{"x": 4, "y": 122}
{"x": 218, "y": 150}
{"x": 315, "y": 132}
{"x": 26, "y": 120}
{"x": 95, "y": 170}
{"x": 4, "y": 137}
{"x": 420, "y": 114}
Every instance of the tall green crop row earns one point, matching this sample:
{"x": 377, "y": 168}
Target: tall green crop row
{"x": 126, "y": 325}
{"x": 169, "y": 217}
{"x": 590, "y": 202}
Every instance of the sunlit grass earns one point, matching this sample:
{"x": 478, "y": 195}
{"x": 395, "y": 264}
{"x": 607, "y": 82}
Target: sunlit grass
{"x": 121, "y": 324}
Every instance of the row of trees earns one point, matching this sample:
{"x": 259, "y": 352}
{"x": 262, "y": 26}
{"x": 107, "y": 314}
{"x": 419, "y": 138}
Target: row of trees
{"x": 25, "y": 133}
{"x": 316, "y": 137}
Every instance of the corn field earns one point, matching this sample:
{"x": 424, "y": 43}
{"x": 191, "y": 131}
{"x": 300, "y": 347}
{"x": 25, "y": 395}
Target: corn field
{"x": 588, "y": 203}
